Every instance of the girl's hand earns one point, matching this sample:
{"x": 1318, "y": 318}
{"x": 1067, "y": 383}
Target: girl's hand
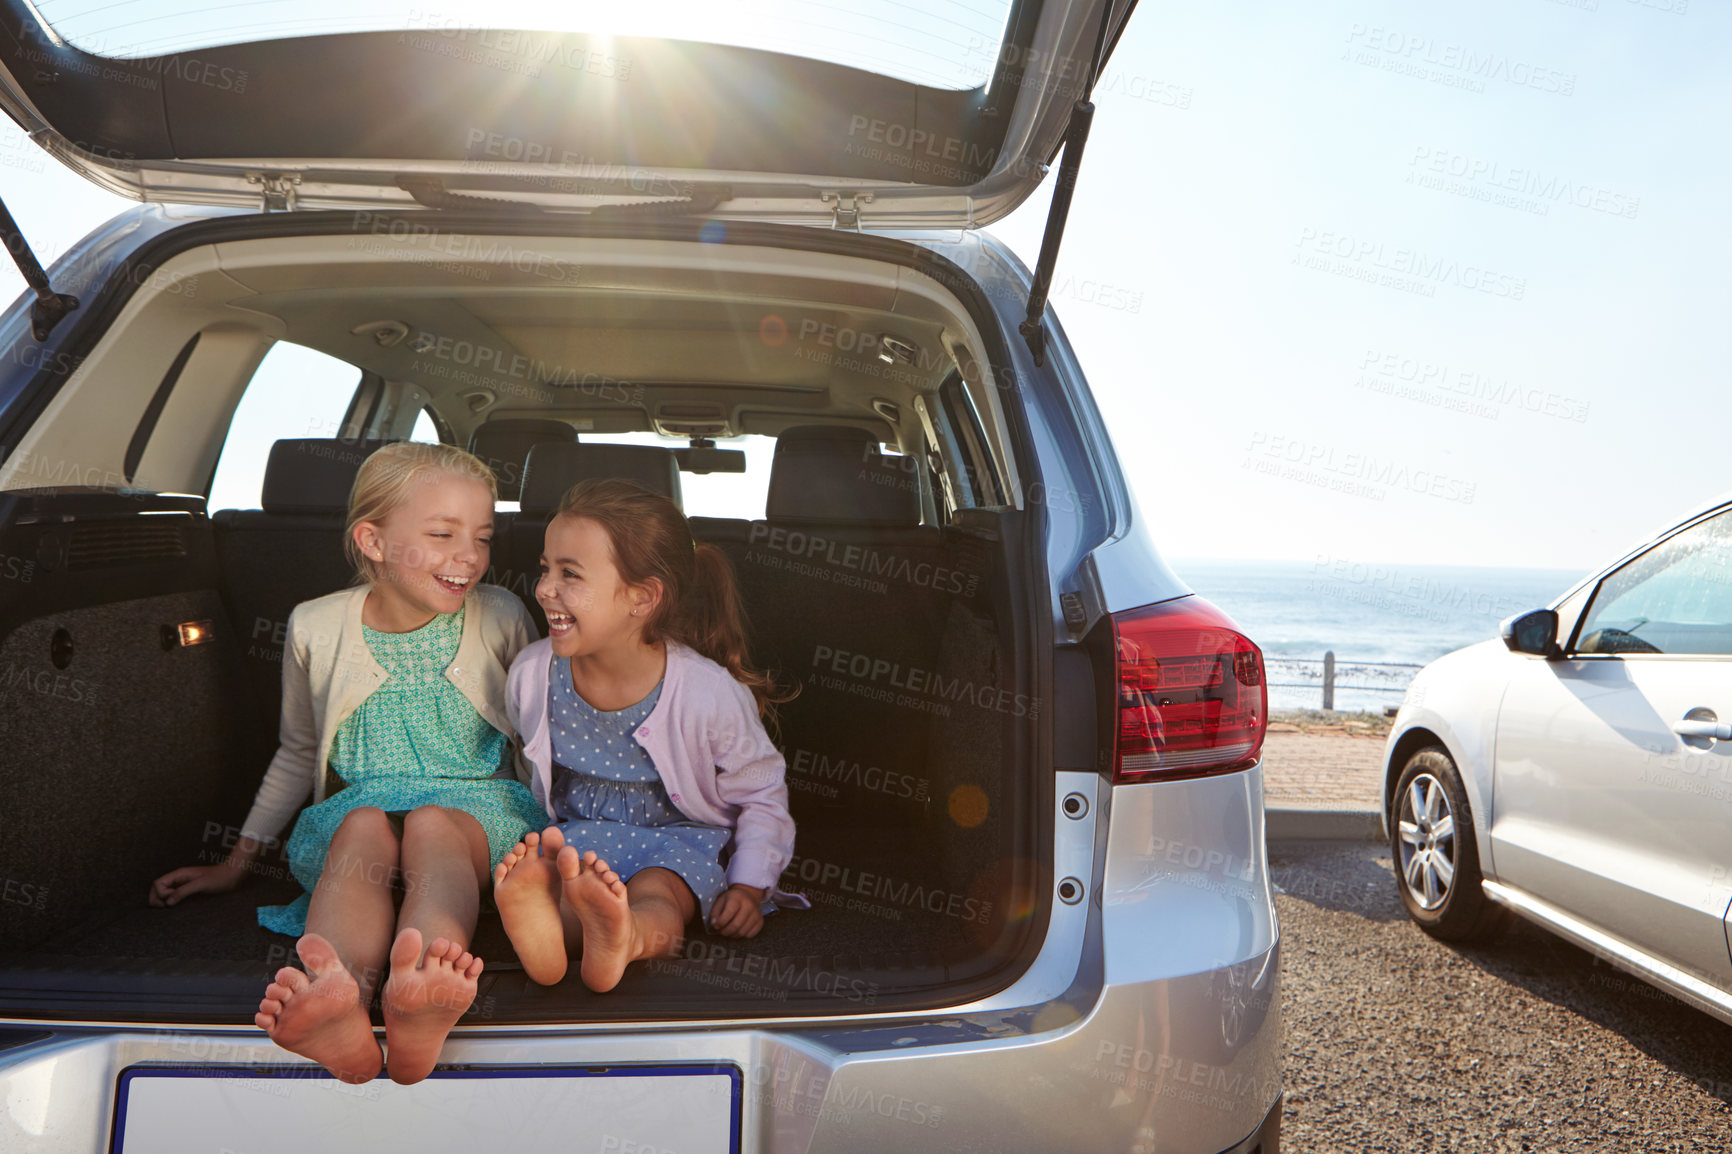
{"x": 736, "y": 914}
{"x": 171, "y": 887}
{"x": 217, "y": 879}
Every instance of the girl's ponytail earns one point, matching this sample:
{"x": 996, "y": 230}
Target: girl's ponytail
{"x": 700, "y": 605}
{"x": 713, "y": 622}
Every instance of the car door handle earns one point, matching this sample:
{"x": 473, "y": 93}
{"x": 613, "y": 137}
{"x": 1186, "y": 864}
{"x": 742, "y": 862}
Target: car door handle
{"x": 1690, "y": 727}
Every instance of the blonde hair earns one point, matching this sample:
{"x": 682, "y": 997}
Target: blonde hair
{"x": 382, "y": 484}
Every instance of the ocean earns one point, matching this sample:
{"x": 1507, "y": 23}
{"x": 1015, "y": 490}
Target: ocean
{"x": 1381, "y": 620}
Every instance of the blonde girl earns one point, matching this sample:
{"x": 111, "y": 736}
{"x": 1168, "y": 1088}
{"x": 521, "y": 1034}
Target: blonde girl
{"x": 643, "y": 727}
{"x": 393, "y": 722}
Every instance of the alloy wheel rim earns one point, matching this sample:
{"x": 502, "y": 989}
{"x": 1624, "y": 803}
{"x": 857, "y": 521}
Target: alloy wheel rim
{"x": 1426, "y": 831}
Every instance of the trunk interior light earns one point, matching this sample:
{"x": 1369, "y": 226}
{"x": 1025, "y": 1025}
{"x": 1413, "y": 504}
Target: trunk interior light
{"x": 186, "y": 633}
{"x": 1193, "y": 699}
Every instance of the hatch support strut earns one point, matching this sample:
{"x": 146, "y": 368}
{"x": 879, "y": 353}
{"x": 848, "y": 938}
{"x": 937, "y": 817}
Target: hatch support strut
{"x": 50, "y": 306}
{"x": 1076, "y": 137}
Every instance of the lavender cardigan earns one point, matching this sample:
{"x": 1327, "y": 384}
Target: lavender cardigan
{"x": 706, "y": 741}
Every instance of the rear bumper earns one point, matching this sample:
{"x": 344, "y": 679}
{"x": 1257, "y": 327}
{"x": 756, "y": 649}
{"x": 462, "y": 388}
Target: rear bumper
{"x": 1165, "y": 1041}
{"x": 1146, "y": 1069}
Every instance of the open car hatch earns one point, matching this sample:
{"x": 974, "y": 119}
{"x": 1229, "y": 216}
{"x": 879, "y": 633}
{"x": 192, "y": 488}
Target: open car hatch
{"x": 863, "y": 115}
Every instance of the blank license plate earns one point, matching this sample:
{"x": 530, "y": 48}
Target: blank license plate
{"x": 616, "y": 1110}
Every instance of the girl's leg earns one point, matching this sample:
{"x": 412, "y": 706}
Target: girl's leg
{"x": 353, "y": 908}
{"x": 445, "y": 863}
{"x": 622, "y": 923}
{"x": 322, "y": 1014}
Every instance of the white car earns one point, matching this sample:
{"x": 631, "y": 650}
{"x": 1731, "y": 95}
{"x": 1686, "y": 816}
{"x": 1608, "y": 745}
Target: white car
{"x": 1579, "y": 771}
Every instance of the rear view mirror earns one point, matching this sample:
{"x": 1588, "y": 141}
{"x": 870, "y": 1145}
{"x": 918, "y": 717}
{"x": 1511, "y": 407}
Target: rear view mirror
{"x": 706, "y": 460}
{"x": 1535, "y": 633}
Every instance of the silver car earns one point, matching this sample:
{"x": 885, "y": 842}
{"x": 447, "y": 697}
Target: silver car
{"x": 745, "y": 270}
{"x": 1578, "y": 772}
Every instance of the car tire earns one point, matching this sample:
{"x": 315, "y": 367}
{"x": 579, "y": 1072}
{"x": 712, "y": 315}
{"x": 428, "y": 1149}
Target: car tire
{"x": 1435, "y": 854}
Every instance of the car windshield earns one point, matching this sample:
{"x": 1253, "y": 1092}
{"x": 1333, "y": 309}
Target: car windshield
{"x": 942, "y": 43}
{"x": 1675, "y": 598}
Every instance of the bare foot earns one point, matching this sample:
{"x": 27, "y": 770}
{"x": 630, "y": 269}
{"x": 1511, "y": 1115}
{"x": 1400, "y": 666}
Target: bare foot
{"x": 318, "y": 1014}
{"x": 610, "y": 937}
{"x": 526, "y": 889}
{"x": 422, "y": 1003}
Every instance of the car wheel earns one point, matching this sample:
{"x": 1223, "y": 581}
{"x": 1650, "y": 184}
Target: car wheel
{"x": 1436, "y": 857}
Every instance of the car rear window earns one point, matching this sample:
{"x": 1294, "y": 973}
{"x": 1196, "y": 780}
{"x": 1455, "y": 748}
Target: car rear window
{"x": 713, "y": 494}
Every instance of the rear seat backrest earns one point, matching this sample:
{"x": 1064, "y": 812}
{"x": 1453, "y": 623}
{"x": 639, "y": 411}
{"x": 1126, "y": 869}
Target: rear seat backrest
{"x": 505, "y": 444}
{"x": 553, "y": 469}
{"x": 841, "y": 571}
{"x": 550, "y": 472}
{"x": 312, "y": 477}
{"x": 888, "y": 627}
{"x": 289, "y": 551}
{"x": 834, "y": 475}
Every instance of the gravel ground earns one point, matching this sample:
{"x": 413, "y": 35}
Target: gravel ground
{"x": 1401, "y": 1043}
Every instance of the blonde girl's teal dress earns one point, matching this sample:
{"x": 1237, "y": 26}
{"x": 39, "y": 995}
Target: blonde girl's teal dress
{"x": 415, "y": 741}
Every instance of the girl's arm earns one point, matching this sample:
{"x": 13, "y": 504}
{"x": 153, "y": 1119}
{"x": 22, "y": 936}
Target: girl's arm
{"x": 519, "y": 735}
{"x": 752, "y": 776}
{"x": 286, "y": 785}
{"x": 517, "y": 629}
{"x": 289, "y": 780}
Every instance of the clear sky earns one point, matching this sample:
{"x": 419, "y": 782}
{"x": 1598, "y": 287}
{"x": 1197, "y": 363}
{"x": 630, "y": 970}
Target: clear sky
{"x": 1381, "y": 281}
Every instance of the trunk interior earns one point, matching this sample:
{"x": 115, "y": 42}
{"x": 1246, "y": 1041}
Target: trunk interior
{"x": 891, "y": 587}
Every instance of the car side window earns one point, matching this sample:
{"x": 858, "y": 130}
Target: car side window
{"x": 295, "y": 392}
{"x": 426, "y": 429}
{"x": 1675, "y": 598}
{"x": 973, "y": 479}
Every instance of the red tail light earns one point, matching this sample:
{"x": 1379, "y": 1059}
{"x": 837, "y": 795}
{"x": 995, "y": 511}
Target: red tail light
{"x": 1192, "y": 696}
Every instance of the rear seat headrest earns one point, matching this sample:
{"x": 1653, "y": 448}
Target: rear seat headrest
{"x": 553, "y": 469}
{"x": 504, "y": 443}
{"x": 313, "y": 475}
{"x": 833, "y": 474}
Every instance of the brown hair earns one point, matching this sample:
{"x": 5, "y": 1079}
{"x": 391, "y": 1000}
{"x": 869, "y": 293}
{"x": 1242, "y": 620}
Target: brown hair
{"x": 382, "y": 483}
{"x": 700, "y": 605}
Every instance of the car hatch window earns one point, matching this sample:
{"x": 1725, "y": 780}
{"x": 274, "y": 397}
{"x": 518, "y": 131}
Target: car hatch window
{"x": 1675, "y": 598}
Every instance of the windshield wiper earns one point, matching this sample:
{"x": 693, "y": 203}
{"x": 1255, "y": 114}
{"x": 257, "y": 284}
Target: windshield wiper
{"x": 50, "y": 307}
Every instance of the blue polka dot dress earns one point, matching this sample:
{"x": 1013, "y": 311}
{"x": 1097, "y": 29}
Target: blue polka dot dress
{"x": 415, "y": 741}
{"x": 608, "y": 797}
